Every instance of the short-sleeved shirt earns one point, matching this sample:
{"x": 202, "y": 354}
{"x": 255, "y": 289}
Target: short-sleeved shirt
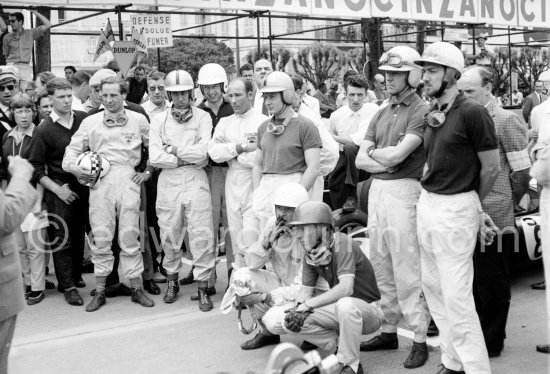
{"x": 451, "y": 149}
{"x": 403, "y": 115}
{"x": 285, "y": 153}
{"x": 347, "y": 260}
{"x": 18, "y": 46}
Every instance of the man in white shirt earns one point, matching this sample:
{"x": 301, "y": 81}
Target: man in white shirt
{"x": 81, "y": 90}
{"x": 157, "y": 102}
{"x": 234, "y": 142}
{"x": 348, "y": 126}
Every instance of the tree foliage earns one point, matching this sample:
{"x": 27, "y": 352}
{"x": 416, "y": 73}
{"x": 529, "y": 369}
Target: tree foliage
{"x": 356, "y": 58}
{"x": 529, "y": 63}
{"x": 192, "y": 54}
{"x": 501, "y": 70}
{"x": 319, "y": 62}
{"x": 281, "y": 56}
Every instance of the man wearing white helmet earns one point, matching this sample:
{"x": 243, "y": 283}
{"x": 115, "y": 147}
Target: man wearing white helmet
{"x": 329, "y": 152}
{"x": 234, "y": 142}
{"x": 279, "y": 247}
{"x": 348, "y": 126}
{"x": 118, "y": 135}
{"x": 212, "y": 82}
{"x": 462, "y": 165}
{"x": 393, "y": 153}
{"x": 540, "y": 120}
{"x": 179, "y": 146}
{"x": 288, "y": 147}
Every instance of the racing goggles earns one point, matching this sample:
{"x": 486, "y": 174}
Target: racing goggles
{"x": 434, "y": 119}
{"x": 182, "y": 115}
{"x": 395, "y": 61}
{"x": 119, "y": 120}
{"x": 275, "y": 129}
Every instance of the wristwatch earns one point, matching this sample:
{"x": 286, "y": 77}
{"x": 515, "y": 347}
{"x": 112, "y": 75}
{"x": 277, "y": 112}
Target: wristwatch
{"x": 244, "y": 145}
{"x": 147, "y": 172}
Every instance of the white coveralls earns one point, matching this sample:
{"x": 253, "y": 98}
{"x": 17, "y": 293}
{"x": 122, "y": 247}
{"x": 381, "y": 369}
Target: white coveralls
{"x": 231, "y": 131}
{"x": 447, "y": 232}
{"x": 183, "y": 197}
{"x": 115, "y": 196}
{"x": 330, "y": 152}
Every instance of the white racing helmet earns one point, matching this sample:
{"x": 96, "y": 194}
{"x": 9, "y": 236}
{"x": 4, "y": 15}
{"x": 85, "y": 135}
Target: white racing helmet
{"x": 178, "y": 80}
{"x": 290, "y": 195}
{"x": 94, "y": 164}
{"x": 444, "y": 54}
{"x": 402, "y": 58}
{"x": 278, "y": 81}
{"x": 212, "y": 74}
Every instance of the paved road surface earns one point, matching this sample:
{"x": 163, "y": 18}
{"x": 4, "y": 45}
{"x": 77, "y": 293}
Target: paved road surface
{"x": 123, "y": 337}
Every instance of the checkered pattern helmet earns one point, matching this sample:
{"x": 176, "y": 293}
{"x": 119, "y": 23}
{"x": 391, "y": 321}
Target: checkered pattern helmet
{"x": 94, "y": 164}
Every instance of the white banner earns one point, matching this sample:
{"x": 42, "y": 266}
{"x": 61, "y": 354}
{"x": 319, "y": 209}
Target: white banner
{"x": 157, "y": 29}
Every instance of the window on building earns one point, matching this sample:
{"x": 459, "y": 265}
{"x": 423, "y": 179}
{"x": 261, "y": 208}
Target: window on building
{"x": 61, "y": 15}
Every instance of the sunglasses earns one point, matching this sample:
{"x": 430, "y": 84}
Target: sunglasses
{"x": 156, "y": 88}
{"x": 10, "y": 87}
{"x": 13, "y": 20}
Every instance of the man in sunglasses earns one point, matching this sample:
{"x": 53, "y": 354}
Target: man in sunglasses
{"x": 118, "y": 135}
{"x": 8, "y": 88}
{"x": 380, "y": 89}
{"x": 393, "y": 153}
{"x": 462, "y": 165}
{"x": 157, "y": 103}
{"x": 18, "y": 44}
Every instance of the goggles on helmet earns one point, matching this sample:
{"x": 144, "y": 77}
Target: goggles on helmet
{"x": 395, "y": 61}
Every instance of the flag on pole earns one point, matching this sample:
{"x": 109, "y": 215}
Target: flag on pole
{"x": 141, "y": 45}
{"x": 109, "y": 34}
{"x": 102, "y": 45}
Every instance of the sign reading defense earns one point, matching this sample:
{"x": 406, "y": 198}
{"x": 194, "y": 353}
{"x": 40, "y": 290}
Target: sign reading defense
{"x": 157, "y": 29}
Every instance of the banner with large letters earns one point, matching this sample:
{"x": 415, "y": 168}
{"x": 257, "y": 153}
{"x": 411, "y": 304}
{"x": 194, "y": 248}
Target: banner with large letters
{"x": 518, "y": 13}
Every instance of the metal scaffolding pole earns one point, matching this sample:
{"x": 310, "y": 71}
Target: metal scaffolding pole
{"x": 270, "y": 40}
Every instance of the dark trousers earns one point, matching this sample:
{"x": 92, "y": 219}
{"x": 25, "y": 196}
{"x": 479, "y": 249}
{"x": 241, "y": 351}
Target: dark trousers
{"x": 66, "y": 233}
{"x": 7, "y": 327}
{"x": 492, "y": 289}
{"x": 345, "y": 176}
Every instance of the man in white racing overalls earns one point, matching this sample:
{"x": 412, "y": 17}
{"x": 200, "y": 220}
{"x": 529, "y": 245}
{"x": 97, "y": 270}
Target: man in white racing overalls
{"x": 179, "y": 145}
{"x": 117, "y": 135}
{"x": 234, "y": 142}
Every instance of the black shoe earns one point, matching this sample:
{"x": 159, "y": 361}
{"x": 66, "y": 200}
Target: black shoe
{"x": 27, "y": 292}
{"x": 444, "y": 370}
{"x": 50, "y": 285}
{"x": 151, "y": 287}
{"x": 432, "y": 329}
{"x": 417, "y": 357}
{"x": 262, "y": 339}
{"x": 210, "y": 291}
{"x": 172, "y": 290}
{"x": 205, "y": 304}
{"x": 539, "y": 286}
{"x": 189, "y": 278}
{"x": 307, "y": 346}
{"x": 47, "y": 271}
{"x": 96, "y": 303}
{"x": 493, "y": 354}
{"x": 119, "y": 289}
{"x": 348, "y": 370}
{"x": 350, "y": 205}
{"x": 543, "y": 348}
{"x": 73, "y": 298}
{"x": 88, "y": 268}
{"x": 79, "y": 283}
{"x": 139, "y": 297}
{"x": 35, "y": 297}
{"x": 380, "y": 342}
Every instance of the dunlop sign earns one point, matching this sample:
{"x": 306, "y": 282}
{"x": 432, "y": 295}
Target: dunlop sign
{"x": 157, "y": 29}
{"x": 125, "y": 52}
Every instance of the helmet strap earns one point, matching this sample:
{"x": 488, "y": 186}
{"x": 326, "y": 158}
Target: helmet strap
{"x": 443, "y": 86}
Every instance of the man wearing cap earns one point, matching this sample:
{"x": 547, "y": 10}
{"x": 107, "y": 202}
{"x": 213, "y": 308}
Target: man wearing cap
{"x": 393, "y": 153}
{"x": 8, "y": 87}
{"x": 485, "y": 53}
{"x": 18, "y": 44}
{"x": 462, "y": 165}
{"x": 338, "y": 317}
{"x": 118, "y": 135}
{"x": 348, "y": 126}
{"x": 64, "y": 196}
